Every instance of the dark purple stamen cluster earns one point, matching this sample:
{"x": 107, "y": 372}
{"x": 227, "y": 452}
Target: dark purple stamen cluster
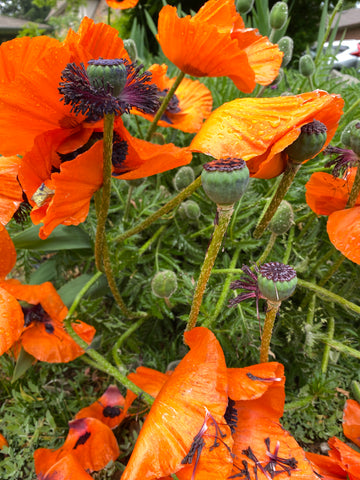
{"x": 286, "y": 464}
{"x": 277, "y": 272}
{"x": 35, "y": 313}
{"x": 111, "y": 412}
{"x": 249, "y": 281}
{"x": 345, "y": 159}
{"x": 97, "y": 101}
{"x": 120, "y": 151}
{"x": 231, "y": 415}
{"x": 172, "y": 108}
{"x": 228, "y": 164}
{"x": 66, "y": 157}
{"x": 243, "y": 472}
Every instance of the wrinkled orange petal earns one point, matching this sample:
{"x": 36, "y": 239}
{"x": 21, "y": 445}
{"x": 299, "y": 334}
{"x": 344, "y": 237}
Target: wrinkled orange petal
{"x": 10, "y": 190}
{"x": 325, "y": 466}
{"x": 109, "y": 408}
{"x": 347, "y": 457}
{"x": 66, "y": 468}
{"x": 343, "y": 228}
{"x": 149, "y": 380}
{"x": 326, "y": 194}
{"x": 11, "y": 321}
{"x": 178, "y": 413}
{"x": 122, "y": 4}
{"x": 3, "y": 442}
{"x": 351, "y": 421}
{"x": 259, "y": 129}
{"x": 91, "y": 442}
{"x": 8, "y": 253}
{"x": 265, "y": 59}
{"x": 144, "y": 159}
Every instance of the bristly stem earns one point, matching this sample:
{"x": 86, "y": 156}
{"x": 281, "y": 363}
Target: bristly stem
{"x": 267, "y": 249}
{"x": 329, "y": 337}
{"x": 224, "y": 214}
{"x": 272, "y": 310}
{"x": 284, "y": 185}
{"x": 104, "y": 199}
{"x": 163, "y": 106}
{"x": 170, "y": 205}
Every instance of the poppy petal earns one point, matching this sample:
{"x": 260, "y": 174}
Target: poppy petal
{"x": 10, "y": 189}
{"x": 3, "y": 442}
{"x": 122, "y": 4}
{"x": 347, "y": 457}
{"x": 8, "y": 253}
{"x": 351, "y": 421}
{"x": 67, "y": 467}
{"x": 109, "y": 408}
{"x": 326, "y": 194}
{"x": 91, "y": 442}
{"x": 343, "y": 228}
{"x": 325, "y": 467}
{"x": 199, "y": 382}
{"x": 265, "y": 59}
{"x": 149, "y": 380}
{"x": 259, "y": 129}
{"x": 11, "y": 321}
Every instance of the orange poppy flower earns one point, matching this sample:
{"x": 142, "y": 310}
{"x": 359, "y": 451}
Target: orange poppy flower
{"x": 327, "y": 467}
{"x": 111, "y": 408}
{"x": 192, "y": 442}
{"x": 214, "y": 43}
{"x": 188, "y": 108}
{"x": 351, "y": 421}
{"x": 258, "y": 130}
{"x": 328, "y": 195}
{"x": 63, "y": 196}
{"x": 122, "y": 4}
{"x": 39, "y": 327}
{"x": 3, "y": 442}
{"x": 67, "y": 467}
{"x": 89, "y": 441}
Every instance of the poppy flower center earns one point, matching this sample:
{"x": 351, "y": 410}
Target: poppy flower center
{"x": 344, "y": 160}
{"x": 36, "y": 313}
{"x": 111, "y": 412}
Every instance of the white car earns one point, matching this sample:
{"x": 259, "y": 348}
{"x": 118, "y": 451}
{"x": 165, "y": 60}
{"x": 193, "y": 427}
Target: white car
{"x": 345, "y": 53}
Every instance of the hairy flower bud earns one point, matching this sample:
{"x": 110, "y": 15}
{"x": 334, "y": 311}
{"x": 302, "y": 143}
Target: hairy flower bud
{"x": 286, "y": 45}
{"x": 183, "y": 177}
{"x": 350, "y": 136}
{"x": 306, "y": 65}
{"x": 164, "y": 284}
{"x": 276, "y": 281}
{"x": 309, "y": 143}
{"x": 225, "y": 180}
{"x": 244, "y": 6}
{"x": 130, "y": 47}
{"x": 278, "y": 15}
{"x": 189, "y": 210}
{"x": 283, "y": 219}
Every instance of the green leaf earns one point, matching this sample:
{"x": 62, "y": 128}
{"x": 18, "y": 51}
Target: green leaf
{"x": 69, "y": 291}
{"x": 23, "y": 363}
{"x": 62, "y": 238}
{"x": 46, "y": 272}
{"x": 150, "y": 23}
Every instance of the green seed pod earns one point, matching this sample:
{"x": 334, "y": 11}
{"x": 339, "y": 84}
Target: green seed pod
{"x": 104, "y": 72}
{"x": 355, "y": 388}
{"x": 306, "y": 65}
{"x": 189, "y": 210}
{"x": 278, "y": 15}
{"x": 283, "y": 219}
{"x": 276, "y": 281}
{"x": 286, "y": 45}
{"x": 164, "y": 284}
{"x": 225, "y": 180}
{"x": 183, "y": 177}
{"x": 309, "y": 143}
{"x": 244, "y": 6}
{"x": 350, "y": 136}
{"x": 130, "y": 47}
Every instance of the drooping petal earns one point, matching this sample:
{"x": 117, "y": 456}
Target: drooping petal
{"x": 326, "y": 194}
{"x": 351, "y": 421}
{"x": 343, "y": 228}
{"x": 109, "y": 408}
{"x": 8, "y": 253}
{"x": 90, "y": 441}
{"x": 347, "y": 457}
{"x": 327, "y": 468}
{"x": 265, "y": 59}
{"x": 11, "y": 321}
{"x": 149, "y": 380}
{"x": 10, "y": 189}
{"x": 198, "y": 384}
{"x": 66, "y": 468}
{"x": 259, "y": 129}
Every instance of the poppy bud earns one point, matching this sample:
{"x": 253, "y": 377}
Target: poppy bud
{"x": 225, "y": 180}
{"x": 306, "y": 65}
{"x": 283, "y": 219}
{"x": 286, "y": 45}
{"x": 276, "y": 281}
{"x": 104, "y": 72}
{"x": 309, "y": 143}
{"x": 278, "y": 15}
{"x": 183, "y": 177}
{"x": 189, "y": 210}
{"x": 244, "y": 6}
{"x": 130, "y": 47}
{"x": 350, "y": 136}
{"x": 164, "y": 284}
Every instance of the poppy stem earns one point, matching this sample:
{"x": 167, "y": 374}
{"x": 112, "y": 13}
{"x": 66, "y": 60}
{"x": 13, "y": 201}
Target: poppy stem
{"x": 329, "y": 337}
{"x": 268, "y": 248}
{"x": 163, "y": 106}
{"x": 284, "y": 185}
{"x": 122, "y": 339}
{"x": 272, "y": 309}
{"x": 355, "y": 190}
{"x": 170, "y": 205}
{"x": 224, "y": 214}
{"x": 104, "y": 200}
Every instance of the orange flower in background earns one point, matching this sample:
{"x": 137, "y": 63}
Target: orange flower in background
{"x": 3, "y": 442}
{"x": 67, "y": 467}
{"x": 60, "y": 182}
{"x": 258, "y": 130}
{"x": 122, "y": 4}
{"x": 38, "y": 328}
{"x": 188, "y": 108}
{"x": 328, "y": 195}
{"x": 215, "y": 43}
{"x": 195, "y": 443}
{"x": 92, "y": 444}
